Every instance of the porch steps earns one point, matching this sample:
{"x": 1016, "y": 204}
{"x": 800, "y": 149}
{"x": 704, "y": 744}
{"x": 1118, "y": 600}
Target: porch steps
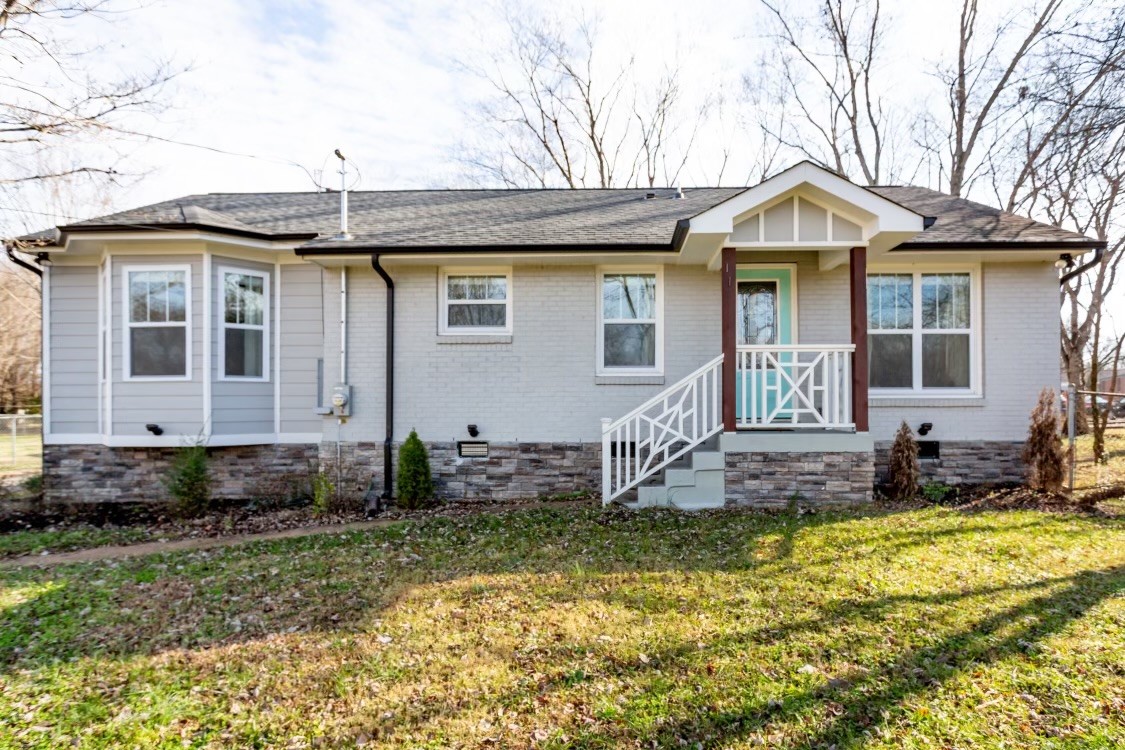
{"x": 696, "y": 482}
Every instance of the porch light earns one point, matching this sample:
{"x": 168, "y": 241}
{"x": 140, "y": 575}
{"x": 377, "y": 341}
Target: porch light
{"x": 1066, "y": 260}
{"x": 925, "y": 428}
{"x": 155, "y": 429}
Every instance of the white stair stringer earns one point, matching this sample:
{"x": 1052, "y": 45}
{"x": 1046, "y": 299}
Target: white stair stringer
{"x": 696, "y": 482}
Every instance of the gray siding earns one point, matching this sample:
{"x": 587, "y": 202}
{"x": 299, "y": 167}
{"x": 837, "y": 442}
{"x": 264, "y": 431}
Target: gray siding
{"x": 74, "y": 350}
{"x": 177, "y": 406}
{"x": 239, "y": 408}
{"x": 302, "y": 343}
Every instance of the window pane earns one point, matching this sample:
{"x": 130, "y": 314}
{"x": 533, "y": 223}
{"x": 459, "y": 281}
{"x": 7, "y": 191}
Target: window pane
{"x": 243, "y": 353}
{"x": 158, "y": 351}
{"x": 630, "y": 345}
{"x": 469, "y": 316}
{"x": 629, "y": 297}
{"x": 157, "y": 296}
{"x": 177, "y": 298}
{"x": 757, "y": 312}
{"x": 138, "y": 297}
{"x": 945, "y": 300}
{"x": 477, "y": 287}
{"x": 945, "y": 360}
{"x": 244, "y": 299}
{"x": 890, "y": 360}
{"x": 890, "y": 302}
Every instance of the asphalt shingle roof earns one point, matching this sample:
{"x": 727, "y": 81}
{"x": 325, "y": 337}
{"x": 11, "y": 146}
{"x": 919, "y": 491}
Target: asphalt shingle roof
{"x": 434, "y": 219}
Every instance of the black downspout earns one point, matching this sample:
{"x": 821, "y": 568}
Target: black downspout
{"x": 390, "y": 378}
{"x": 21, "y": 262}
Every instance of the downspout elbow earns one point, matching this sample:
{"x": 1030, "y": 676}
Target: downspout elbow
{"x": 10, "y": 250}
{"x": 1099, "y": 253}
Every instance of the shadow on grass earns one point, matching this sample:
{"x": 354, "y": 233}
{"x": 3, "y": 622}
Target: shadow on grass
{"x": 341, "y": 584}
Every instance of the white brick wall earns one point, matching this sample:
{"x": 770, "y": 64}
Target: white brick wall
{"x": 541, "y": 386}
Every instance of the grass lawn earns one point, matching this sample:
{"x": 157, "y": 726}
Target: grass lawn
{"x": 24, "y": 454}
{"x": 925, "y": 628}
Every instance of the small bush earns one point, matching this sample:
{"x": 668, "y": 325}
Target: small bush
{"x": 1043, "y": 453}
{"x": 189, "y": 481}
{"x": 937, "y": 492}
{"x": 34, "y": 484}
{"x": 415, "y": 484}
{"x": 903, "y": 472}
{"x": 323, "y": 490}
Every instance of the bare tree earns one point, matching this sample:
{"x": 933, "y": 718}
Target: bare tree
{"x": 19, "y": 337}
{"x": 560, "y": 116}
{"x": 826, "y": 69}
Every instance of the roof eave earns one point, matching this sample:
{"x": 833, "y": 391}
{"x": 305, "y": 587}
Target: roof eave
{"x": 1044, "y": 245}
{"x": 276, "y": 237}
{"x": 372, "y": 249}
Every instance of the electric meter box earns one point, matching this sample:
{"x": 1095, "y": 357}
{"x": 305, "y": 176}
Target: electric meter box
{"x": 342, "y": 400}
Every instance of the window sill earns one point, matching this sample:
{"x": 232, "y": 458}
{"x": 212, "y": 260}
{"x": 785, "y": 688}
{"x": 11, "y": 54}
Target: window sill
{"x": 628, "y": 380}
{"x": 490, "y": 338}
{"x": 952, "y": 402}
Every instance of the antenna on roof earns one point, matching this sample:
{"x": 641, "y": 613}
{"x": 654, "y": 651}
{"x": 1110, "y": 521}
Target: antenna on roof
{"x": 343, "y": 235}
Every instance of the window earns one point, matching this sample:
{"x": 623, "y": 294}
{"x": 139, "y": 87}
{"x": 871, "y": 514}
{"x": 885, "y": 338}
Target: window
{"x": 476, "y": 302}
{"x": 244, "y": 339}
{"x": 157, "y": 322}
{"x": 922, "y": 331}
{"x": 629, "y": 336}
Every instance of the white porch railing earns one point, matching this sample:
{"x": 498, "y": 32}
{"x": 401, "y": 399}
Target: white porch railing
{"x": 798, "y": 386}
{"x": 656, "y": 433}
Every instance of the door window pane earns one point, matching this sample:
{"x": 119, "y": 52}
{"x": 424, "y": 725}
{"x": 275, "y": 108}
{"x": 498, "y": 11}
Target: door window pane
{"x": 945, "y": 360}
{"x": 158, "y": 351}
{"x": 757, "y": 312}
{"x": 630, "y": 345}
{"x": 891, "y": 360}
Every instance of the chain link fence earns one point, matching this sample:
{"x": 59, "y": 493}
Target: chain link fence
{"x": 21, "y": 443}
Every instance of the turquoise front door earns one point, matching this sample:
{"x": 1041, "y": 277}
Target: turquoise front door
{"x": 765, "y": 316}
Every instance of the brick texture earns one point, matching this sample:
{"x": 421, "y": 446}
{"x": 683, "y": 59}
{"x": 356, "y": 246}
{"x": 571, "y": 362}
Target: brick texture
{"x": 770, "y": 480}
{"x": 970, "y": 462}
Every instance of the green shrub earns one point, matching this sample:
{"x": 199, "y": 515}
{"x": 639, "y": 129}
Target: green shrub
{"x": 937, "y": 492}
{"x": 189, "y": 481}
{"x": 323, "y": 490}
{"x": 34, "y": 484}
{"x": 903, "y": 470}
{"x": 415, "y": 484}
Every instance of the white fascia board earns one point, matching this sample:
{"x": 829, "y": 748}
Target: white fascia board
{"x": 79, "y": 242}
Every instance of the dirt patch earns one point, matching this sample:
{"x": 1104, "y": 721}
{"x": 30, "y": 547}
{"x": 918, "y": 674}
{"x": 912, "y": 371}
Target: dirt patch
{"x": 1023, "y": 498}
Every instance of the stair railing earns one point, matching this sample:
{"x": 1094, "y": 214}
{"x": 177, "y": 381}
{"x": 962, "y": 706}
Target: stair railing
{"x": 661, "y": 430}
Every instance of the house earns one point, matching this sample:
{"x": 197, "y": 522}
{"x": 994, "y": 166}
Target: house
{"x": 666, "y": 347}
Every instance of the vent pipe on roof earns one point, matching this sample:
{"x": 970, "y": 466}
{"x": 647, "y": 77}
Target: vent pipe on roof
{"x": 343, "y": 235}
{"x": 679, "y": 192}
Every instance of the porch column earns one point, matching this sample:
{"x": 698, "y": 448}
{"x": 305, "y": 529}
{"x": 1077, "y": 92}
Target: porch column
{"x": 730, "y": 337}
{"x": 858, "y": 274}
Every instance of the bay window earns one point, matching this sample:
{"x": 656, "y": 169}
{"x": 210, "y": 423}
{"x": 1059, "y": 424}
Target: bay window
{"x": 244, "y": 325}
{"x": 629, "y": 326}
{"x": 922, "y": 331}
{"x": 157, "y": 315}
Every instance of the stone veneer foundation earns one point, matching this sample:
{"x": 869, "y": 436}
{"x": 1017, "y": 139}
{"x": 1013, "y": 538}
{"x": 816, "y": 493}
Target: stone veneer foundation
{"x": 79, "y": 474}
{"x": 511, "y": 471}
{"x": 970, "y": 462}
{"x": 772, "y": 479}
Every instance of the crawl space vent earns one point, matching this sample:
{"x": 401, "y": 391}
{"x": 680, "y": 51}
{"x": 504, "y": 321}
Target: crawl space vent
{"x": 472, "y": 449}
{"x": 930, "y": 449}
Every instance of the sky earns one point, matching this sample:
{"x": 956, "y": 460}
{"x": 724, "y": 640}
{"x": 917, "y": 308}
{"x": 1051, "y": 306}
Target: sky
{"x": 288, "y": 81}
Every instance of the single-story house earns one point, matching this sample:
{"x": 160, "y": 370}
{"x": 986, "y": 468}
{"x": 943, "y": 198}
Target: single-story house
{"x": 675, "y": 347}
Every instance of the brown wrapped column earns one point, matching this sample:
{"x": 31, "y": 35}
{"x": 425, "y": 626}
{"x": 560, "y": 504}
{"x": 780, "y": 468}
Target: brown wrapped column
{"x": 859, "y": 337}
{"x": 730, "y": 342}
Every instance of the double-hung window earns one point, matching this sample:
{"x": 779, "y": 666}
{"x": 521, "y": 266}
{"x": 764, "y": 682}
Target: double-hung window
{"x": 475, "y": 302}
{"x": 244, "y": 340}
{"x": 630, "y": 339}
{"x": 922, "y": 332}
{"x": 157, "y": 322}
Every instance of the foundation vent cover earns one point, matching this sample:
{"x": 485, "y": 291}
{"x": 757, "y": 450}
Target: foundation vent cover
{"x": 472, "y": 449}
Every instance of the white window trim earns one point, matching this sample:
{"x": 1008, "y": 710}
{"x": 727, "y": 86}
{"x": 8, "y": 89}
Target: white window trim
{"x": 224, "y": 325}
{"x": 444, "y": 329}
{"x": 127, "y": 324}
{"x": 658, "y": 366}
{"x": 976, "y": 353}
